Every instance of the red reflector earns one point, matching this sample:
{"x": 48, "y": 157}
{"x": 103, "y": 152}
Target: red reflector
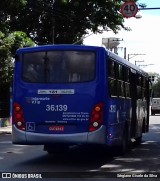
{"x": 96, "y": 117}
{"x": 18, "y": 117}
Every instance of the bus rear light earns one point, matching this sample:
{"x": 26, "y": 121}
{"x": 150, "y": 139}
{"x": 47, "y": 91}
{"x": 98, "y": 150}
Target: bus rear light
{"x": 96, "y": 117}
{"x": 95, "y": 124}
{"x": 18, "y": 117}
{"x": 17, "y": 108}
{"x": 19, "y": 123}
{"x": 97, "y": 108}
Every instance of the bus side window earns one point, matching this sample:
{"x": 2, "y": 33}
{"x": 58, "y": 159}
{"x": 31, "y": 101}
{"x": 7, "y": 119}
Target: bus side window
{"x": 120, "y": 72}
{"x": 127, "y": 89}
{"x": 111, "y": 68}
{"x": 113, "y": 87}
{"x": 139, "y": 86}
{"x": 121, "y": 79}
{"x": 126, "y": 74}
{"x": 112, "y": 78}
{"x": 139, "y": 92}
{"x": 139, "y": 80}
{"x": 121, "y": 92}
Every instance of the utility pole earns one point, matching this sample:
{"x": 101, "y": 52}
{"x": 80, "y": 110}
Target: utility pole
{"x": 125, "y": 53}
{"x": 53, "y": 23}
{"x": 53, "y": 28}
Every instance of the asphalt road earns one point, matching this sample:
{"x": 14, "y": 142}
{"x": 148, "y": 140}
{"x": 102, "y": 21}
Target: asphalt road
{"x": 141, "y": 161}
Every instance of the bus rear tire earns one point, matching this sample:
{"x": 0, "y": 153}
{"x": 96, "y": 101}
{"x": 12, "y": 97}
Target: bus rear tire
{"x": 138, "y": 140}
{"x": 56, "y": 149}
{"x": 123, "y": 147}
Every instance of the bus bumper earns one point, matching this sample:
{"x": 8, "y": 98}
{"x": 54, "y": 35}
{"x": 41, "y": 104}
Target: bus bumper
{"x": 31, "y": 138}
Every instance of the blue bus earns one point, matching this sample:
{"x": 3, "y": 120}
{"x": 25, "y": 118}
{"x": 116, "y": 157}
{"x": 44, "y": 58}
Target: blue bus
{"x": 66, "y": 95}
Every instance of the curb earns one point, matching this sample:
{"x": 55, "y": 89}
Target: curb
{"x": 6, "y": 130}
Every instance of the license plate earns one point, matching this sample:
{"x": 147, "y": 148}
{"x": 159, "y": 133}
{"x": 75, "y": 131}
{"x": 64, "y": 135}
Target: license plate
{"x": 56, "y": 128}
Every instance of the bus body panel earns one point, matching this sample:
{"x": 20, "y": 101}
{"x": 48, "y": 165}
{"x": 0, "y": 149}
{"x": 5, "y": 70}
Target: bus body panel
{"x": 72, "y": 110}
{"x": 60, "y": 110}
{"x": 119, "y": 115}
{"x": 56, "y": 112}
{"x": 31, "y": 138}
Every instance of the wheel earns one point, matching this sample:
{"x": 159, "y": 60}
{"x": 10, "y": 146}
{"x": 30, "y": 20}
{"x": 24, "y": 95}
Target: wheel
{"x": 138, "y": 140}
{"x": 123, "y": 147}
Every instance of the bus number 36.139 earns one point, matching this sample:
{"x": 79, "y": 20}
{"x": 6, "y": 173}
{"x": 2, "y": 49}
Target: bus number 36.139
{"x": 56, "y": 107}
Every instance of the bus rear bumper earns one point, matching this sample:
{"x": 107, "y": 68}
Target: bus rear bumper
{"x": 30, "y": 138}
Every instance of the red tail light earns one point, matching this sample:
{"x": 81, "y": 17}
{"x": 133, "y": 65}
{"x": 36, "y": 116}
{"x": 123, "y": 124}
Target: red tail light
{"x": 96, "y": 117}
{"x": 18, "y": 117}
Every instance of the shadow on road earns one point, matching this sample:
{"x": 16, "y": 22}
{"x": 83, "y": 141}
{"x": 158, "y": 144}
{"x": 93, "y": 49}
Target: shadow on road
{"x": 140, "y": 159}
{"x": 77, "y": 159}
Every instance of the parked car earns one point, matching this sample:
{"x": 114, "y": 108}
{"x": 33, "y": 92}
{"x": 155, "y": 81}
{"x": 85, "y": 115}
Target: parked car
{"x": 155, "y": 106}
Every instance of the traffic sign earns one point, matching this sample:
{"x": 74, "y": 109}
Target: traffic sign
{"x": 129, "y": 9}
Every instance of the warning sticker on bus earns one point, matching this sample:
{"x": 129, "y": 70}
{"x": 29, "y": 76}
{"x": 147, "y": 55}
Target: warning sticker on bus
{"x": 56, "y": 91}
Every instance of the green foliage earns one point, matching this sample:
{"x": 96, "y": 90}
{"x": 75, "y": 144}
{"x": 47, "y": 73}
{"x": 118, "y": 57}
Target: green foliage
{"x": 48, "y": 21}
{"x": 156, "y": 89}
{"x": 66, "y": 21}
{"x": 10, "y": 40}
{"x": 19, "y": 39}
{"x": 9, "y": 9}
{"x": 8, "y": 45}
{"x": 155, "y": 85}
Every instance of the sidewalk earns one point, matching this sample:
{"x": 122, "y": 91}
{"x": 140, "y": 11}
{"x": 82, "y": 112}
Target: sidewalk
{"x": 6, "y": 130}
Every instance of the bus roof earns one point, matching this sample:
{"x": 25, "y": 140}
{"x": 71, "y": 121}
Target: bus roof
{"x": 83, "y": 47}
{"x": 126, "y": 62}
{"x": 57, "y": 47}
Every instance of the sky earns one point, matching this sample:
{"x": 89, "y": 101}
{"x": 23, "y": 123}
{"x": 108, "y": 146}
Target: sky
{"x": 144, "y": 38}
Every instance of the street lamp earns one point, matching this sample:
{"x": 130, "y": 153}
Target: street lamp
{"x": 145, "y": 65}
{"x": 133, "y": 55}
{"x": 138, "y": 61}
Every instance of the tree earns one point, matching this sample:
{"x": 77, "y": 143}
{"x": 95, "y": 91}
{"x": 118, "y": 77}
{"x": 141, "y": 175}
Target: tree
{"x": 8, "y": 46}
{"x": 8, "y": 9}
{"x": 10, "y": 40}
{"x": 66, "y": 21}
{"x": 156, "y": 89}
{"x": 155, "y": 85}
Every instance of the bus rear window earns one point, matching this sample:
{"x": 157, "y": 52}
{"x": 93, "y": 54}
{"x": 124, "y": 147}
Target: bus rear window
{"x": 58, "y": 66}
